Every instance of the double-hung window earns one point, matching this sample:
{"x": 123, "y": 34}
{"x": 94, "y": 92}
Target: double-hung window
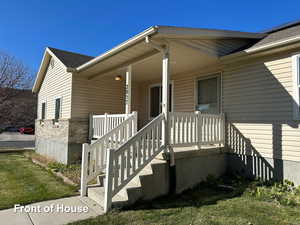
{"x": 296, "y": 86}
{"x": 208, "y": 91}
{"x": 57, "y": 108}
{"x": 43, "y": 111}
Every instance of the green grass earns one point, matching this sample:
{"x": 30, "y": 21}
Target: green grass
{"x": 205, "y": 205}
{"x": 72, "y": 171}
{"x": 23, "y": 182}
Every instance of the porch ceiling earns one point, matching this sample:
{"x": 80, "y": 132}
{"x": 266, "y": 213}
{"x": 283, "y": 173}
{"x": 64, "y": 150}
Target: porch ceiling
{"x": 187, "y": 53}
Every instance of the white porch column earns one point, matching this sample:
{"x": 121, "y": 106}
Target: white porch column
{"x": 128, "y": 90}
{"x": 165, "y": 96}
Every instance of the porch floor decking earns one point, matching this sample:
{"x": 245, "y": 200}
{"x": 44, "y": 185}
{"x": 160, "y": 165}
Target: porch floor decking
{"x": 193, "y": 151}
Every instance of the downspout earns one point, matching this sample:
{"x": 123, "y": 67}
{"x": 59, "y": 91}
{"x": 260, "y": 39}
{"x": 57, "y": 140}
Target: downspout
{"x": 172, "y": 177}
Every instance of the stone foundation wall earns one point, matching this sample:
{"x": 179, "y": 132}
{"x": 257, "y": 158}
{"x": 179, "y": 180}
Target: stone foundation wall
{"x": 52, "y": 139}
{"x": 62, "y": 140}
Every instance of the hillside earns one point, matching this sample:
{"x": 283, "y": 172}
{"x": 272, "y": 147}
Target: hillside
{"x": 19, "y": 110}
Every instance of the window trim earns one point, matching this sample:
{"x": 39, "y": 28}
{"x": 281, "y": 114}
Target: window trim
{"x": 60, "y": 110}
{"x": 149, "y": 97}
{"x": 217, "y": 74}
{"x": 296, "y": 86}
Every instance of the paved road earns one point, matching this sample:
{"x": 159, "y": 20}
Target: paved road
{"x": 16, "y": 140}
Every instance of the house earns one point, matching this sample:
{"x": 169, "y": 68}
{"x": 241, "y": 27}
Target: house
{"x": 170, "y": 106}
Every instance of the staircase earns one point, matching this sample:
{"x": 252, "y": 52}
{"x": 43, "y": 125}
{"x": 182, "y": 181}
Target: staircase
{"x": 129, "y": 161}
{"x": 148, "y": 184}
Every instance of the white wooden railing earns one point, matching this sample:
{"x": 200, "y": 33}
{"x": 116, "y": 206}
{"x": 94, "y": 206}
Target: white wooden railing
{"x": 125, "y": 162}
{"x": 94, "y": 155}
{"x": 101, "y": 124}
{"x": 123, "y": 152}
{"x": 195, "y": 128}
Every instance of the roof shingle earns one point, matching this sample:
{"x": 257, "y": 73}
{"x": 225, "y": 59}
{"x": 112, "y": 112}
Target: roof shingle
{"x": 70, "y": 59}
{"x": 278, "y": 35}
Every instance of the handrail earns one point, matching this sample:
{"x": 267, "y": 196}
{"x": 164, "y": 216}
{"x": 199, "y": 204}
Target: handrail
{"x": 94, "y": 155}
{"x": 101, "y": 124}
{"x": 109, "y": 115}
{"x": 195, "y": 128}
{"x": 124, "y": 163}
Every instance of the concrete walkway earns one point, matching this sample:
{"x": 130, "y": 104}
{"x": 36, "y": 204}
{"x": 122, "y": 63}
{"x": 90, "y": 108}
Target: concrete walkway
{"x": 52, "y": 218}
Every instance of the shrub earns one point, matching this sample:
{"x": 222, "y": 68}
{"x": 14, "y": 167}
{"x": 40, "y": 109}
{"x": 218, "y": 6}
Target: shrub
{"x": 71, "y": 171}
{"x": 285, "y": 193}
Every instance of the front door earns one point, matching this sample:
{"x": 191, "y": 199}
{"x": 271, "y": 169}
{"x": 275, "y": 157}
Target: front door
{"x": 155, "y": 95}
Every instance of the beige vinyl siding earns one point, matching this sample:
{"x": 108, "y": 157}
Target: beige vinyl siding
{"x": 183, "y": 91}
{"x": 257, "y": 99}
{"x": 99, "y": 96}
{"x": 57, "y": 83}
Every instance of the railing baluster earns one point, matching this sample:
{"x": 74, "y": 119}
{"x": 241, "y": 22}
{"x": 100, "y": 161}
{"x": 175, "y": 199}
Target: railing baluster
{"x": 123, "y": 162}
{"x": 157, "y": 137}
{"x": 134, "y": 154}
{"x": 153, "y": 139}
{"x": 128, "y": 165}
{"x": 149, "y": 144}
{"x": 135, "y": 150}
{"x": 139, "y": 151}
{"x": 113, "y": 139}
{"x": 144, "y": 148}
{"x": 116, "y": 172}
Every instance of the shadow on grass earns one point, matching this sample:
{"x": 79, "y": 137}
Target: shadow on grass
{"x": 206, "y": 193}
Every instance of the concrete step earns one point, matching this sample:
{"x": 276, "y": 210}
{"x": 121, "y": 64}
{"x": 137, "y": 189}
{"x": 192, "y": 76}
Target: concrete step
{"x": 149, "y": 183}
{"x": 97, "y": 194}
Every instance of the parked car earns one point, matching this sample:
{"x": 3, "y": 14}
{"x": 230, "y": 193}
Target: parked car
{"x": 12, "y": 129}
{"x": 26, "y": 130}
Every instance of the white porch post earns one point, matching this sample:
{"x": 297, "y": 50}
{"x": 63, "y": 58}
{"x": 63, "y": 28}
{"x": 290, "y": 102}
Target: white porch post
{"x": 165, "y": 97}
{"x": 128, "y": 90}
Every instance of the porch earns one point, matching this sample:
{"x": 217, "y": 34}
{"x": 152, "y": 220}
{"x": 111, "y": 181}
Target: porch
{"x": 122, "y": 152}
{"x": 155, "y": 118}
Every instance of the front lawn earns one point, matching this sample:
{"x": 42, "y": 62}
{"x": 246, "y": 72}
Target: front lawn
{"x": 23, "y": 182}
{"x": 207, "y": 205}
{"x": 72, "y": 171}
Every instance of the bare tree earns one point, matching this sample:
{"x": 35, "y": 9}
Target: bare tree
{"x": 14, "y": 77}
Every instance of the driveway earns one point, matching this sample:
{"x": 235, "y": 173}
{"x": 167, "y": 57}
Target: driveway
{"x": 16, "y": 140}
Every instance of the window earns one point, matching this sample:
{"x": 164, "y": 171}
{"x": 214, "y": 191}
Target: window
{"x": 57, "y": 108}
{"x": 156, "y": 100}
{"x": 43, "y": 113}
{"x": 296, "y": 86}
{"x": 208, "y": 94}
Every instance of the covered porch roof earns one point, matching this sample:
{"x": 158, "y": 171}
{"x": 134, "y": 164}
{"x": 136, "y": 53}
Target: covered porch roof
{"x": 189, "y": 48}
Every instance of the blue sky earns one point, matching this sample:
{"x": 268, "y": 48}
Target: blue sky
{"x": 91, "y": 27}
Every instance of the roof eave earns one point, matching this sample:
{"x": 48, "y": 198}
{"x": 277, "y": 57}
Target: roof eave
{"x": 40, "y": 75}
{"x": 262, "y": 48}
{"x": 183, "y": 32}
{"x": 170, "y": 32}
{"x": 274, "y": 44}
{"x": 37, "y": 81}
{"x": 137, "y": 38}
